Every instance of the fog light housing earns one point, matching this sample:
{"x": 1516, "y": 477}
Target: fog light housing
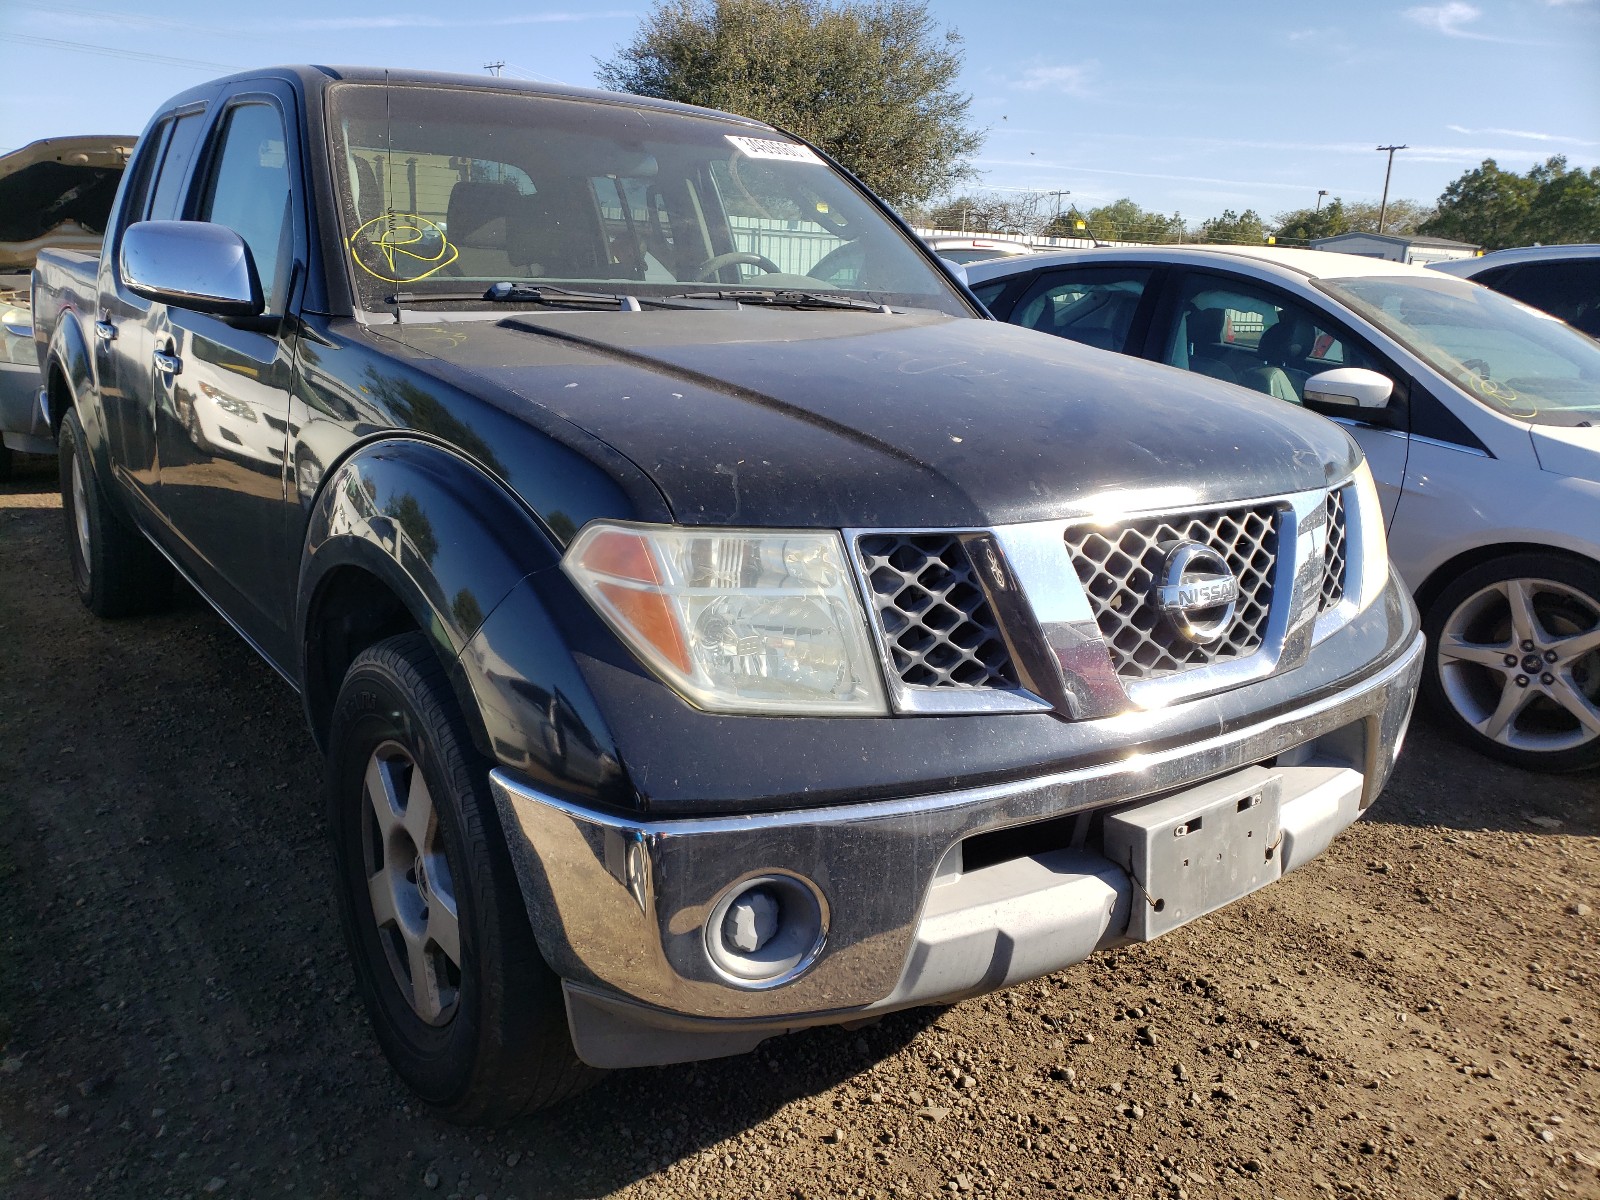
{"x": 766, "y": 930}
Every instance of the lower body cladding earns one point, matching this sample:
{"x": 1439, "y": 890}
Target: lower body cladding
{"x": 688, "y": 939}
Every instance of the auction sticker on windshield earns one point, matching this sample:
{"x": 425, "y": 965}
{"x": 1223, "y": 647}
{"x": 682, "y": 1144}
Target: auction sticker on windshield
{"x": 771, "y": 148}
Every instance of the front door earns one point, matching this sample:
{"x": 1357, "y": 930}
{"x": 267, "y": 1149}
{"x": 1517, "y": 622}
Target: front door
{"x": 222, "y": 389}
{"x": 1258, "y": 337}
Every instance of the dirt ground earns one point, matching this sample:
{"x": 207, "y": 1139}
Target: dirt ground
{"x": 1416, "y": 1014}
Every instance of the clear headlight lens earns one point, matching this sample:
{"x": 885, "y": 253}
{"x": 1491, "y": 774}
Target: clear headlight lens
{"x": 1370, "y": 536}
{"x": 750, "y": 621}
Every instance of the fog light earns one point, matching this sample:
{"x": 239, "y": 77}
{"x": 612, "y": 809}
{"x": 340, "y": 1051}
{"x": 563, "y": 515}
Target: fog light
{"x": 766, "y": 930}
{"x": 751, "y": 921}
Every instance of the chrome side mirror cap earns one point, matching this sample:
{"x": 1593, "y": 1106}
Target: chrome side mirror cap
{"x": 1352, "y": 387}
{"x": 191, "y": 264}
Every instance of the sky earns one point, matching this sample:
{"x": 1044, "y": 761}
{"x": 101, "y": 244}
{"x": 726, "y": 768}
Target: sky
{"x": 1185, "y": 108}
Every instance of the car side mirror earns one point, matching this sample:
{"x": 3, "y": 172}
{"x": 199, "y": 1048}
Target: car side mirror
{"x": 191, "y": 264}
{"x": 955, "y": 268}
{"x": 1351, "y": 387}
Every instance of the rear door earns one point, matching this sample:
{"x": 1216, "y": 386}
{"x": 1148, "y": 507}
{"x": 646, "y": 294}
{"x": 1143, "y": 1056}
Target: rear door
{"x": 1101, "y": 305}
{"x": 126, "y": 328}
{"x": 223, "y": 388}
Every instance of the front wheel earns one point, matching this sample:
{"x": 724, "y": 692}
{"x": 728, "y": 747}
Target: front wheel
{"x": 468, "y": 1013}
{"x": 1514, "y": 660}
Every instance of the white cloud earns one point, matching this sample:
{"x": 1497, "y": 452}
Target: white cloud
{"x": 1524, "y": 133}
{"x": 1448, "y": 19}
{"x": 1072, "y": 79}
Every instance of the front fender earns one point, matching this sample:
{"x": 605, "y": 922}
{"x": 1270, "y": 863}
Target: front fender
{"x": 452, "y": 545}
{"x": 447, "y": 539}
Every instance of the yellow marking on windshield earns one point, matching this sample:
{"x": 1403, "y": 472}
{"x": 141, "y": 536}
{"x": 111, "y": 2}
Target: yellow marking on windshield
{"x": 409, "y": 245}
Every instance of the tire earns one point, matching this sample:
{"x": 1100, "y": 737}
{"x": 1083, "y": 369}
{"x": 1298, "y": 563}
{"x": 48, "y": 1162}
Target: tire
{"x": 117, "y": 571}
{"x": 5, "y": 463}
{"x": 480, "y": 1035}
{"x": 1514, "y": 660}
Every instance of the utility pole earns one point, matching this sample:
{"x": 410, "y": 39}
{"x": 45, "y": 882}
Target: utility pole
{"x": 1321, "y": 192}
{"x": 494, "y": 68}
{"x": 1058, "y": 195}
{"x": 1383, "y": 206}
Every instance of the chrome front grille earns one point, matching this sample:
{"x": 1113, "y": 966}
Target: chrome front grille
{"x": 1335, "y": 560}
{"x": 1119, "y": 568}
{"x": 933, "y": 617}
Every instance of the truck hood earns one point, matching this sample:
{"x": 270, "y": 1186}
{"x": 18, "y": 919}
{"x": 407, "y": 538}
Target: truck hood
{"x": 58, "y": 192}
{"x": 775, "y": 417}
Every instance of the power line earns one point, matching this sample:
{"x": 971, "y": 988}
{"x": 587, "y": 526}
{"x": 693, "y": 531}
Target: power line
{"x": 117, "y": 52}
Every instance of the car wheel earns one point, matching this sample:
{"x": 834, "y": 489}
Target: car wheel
{"x": 1514, "y": 660}
{"x": 117, "y": 571}
{"x": 468, "y": 1013}
{"x": 5, "y": 463}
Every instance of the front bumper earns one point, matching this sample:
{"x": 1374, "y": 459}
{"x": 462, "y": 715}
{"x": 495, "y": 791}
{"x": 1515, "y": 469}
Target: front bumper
{"x": 619, "y": 906}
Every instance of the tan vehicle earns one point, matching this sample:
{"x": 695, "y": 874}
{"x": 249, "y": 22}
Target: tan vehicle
{"x": 54, "y": 192}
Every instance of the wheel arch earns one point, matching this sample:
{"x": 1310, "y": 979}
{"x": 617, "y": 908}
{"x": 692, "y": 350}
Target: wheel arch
{"x": 407, "y": 534}
{"x": 1453, "y": 568}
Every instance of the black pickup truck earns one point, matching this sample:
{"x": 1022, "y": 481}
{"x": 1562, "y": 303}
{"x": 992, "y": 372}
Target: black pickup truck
{"x": 714, "y": 624}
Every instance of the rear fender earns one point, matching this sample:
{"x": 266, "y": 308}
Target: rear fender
{"x": 69, "y": 365}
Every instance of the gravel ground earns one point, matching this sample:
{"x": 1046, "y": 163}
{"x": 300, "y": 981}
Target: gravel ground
{"x": 1416, "y": 1014}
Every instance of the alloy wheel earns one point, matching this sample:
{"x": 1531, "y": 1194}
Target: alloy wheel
{"x": 80, "y": 512}
{"x": 1519, "y": 660}
{"x": 409, "y": 884}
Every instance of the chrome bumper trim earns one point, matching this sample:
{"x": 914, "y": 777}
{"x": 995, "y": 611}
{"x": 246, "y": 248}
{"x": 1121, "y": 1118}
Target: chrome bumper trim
{"x": 618, "y": 904}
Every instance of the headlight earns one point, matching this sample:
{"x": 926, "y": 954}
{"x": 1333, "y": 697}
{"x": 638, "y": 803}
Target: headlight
{"x": 747, "y": 621}
{"x": 1370, "y": 537}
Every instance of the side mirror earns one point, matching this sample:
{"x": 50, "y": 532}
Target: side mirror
{"x": 191, "y": 264}
{"x": 955, "y": 268}
{"x": 1354, "y": 387}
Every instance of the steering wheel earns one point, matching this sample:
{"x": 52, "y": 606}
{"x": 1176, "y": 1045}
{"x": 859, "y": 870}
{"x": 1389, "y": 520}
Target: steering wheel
{"x": 714, "y": 264}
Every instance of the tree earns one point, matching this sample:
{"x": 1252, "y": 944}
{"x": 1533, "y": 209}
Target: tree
{"x": 1566, "y": 206}
{"x": 1121, "y": 221}
{"x": 872, "y": 83}
{"x": 1485, "y": 206}
{"x": 986, "y": 212}
{"x": 1246, "y": 228}
{"x": 1349, "y": 216}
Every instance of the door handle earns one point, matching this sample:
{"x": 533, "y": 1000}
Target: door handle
{"x": 170, "y": 364}
{"x": 105, "y": 331}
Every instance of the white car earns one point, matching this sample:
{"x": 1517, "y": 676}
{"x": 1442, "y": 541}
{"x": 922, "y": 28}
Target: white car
{"x": 1480, "y": 417}
{"x": 966, "y": 250}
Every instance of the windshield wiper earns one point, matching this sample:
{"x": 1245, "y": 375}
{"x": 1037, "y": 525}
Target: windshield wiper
{"x": 784, "y": 298}
{"x": 536, "y": 293}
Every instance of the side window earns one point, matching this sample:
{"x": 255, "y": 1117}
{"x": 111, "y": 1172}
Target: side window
{"x": 988, "y": 293}
{"x": 1256, "y": 337}
{"x": 1092, "y": 305}
{"x": 143, "y": 172}
{"x": 167, "y": 202}
{"x": 1569, "y": 290}
{"x": 248, "y": 191}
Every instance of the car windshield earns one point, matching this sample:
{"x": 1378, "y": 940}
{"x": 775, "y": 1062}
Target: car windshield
{"x": 1514, "y": 359}
{"x": 446, "y": 191}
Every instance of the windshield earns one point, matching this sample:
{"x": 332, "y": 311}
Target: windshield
{"x": 445, "y": 191}
{"x": 1514, "y": 359}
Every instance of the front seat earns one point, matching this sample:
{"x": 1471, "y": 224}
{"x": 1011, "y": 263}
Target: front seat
{"x": 1205, "y": 329}
{"x": 476, "y": 222}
